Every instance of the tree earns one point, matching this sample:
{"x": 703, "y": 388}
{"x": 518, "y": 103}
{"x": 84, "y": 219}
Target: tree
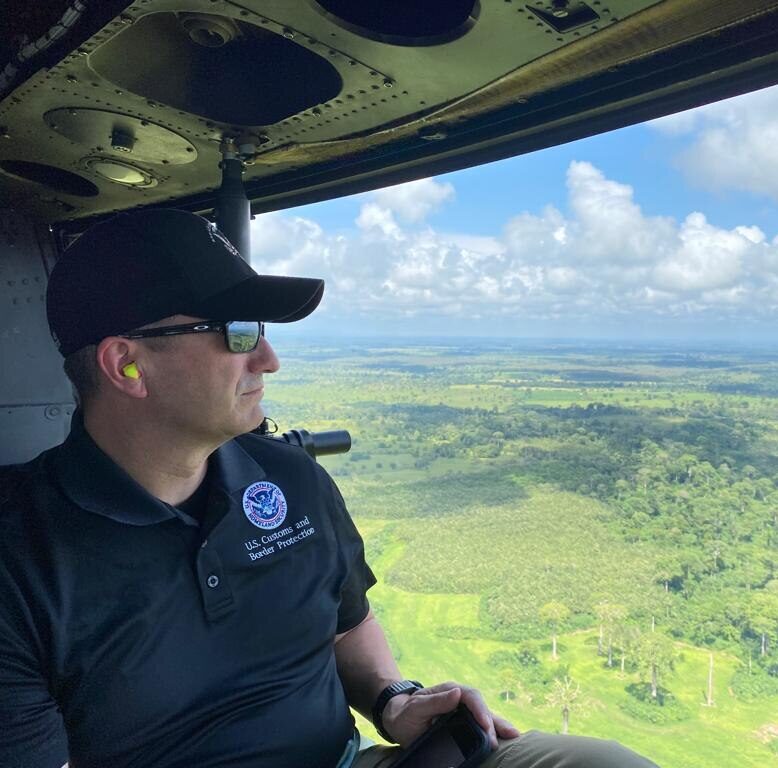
{"x": 655, "y": 657}
{"x": 507, "y": 676}
{"x": 553, "y": 614}
{"x": 763, "y": 617}
{"x": 563, "y": 696}
{"x": 627, "y": 640}
{"x": 709, "y": 697}
{"x": 610, "y": 615}
{"x": 668, "y": 570}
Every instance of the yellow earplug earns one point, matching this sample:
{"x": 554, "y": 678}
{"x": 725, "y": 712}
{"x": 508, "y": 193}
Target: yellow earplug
{"x": 131, "y": 371}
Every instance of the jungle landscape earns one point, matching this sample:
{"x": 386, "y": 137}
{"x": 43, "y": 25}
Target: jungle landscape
{"x": 586, "y": 532}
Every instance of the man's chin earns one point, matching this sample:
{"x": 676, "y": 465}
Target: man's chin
{"x": 247, "y": 421}
{"x": 258, "y": 416}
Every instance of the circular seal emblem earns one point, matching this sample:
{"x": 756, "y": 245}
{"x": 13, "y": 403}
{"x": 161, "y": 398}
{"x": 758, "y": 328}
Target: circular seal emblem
{"x": 264, "y": 505}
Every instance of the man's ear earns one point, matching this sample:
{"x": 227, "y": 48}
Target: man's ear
{"x": 118, "y": 363}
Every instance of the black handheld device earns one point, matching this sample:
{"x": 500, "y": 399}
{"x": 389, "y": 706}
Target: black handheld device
{"x": 454, "y": 741}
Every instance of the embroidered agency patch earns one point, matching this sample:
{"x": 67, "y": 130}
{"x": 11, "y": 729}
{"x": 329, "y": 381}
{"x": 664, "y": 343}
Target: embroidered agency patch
{"x": 264, "y": 505}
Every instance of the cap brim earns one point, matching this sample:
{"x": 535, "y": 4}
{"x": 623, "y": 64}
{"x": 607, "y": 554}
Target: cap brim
{"x": 270, "y": 298}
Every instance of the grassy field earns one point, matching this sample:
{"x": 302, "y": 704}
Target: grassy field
{"x": 485, "y": 486}
{"x": 727, "y": 734}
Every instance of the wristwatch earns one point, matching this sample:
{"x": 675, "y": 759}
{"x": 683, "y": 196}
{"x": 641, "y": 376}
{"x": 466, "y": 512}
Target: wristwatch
{"x": 403, "y": 686}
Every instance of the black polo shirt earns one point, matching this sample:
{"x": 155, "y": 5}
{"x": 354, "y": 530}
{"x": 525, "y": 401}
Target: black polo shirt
{"x": 134, "y": 636}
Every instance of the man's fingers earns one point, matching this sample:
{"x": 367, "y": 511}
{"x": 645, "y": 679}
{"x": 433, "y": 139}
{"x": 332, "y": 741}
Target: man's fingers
{"x": 429, "y": 705}
{"x": 504, "y": 729}
{"x": 473, "y": 700}
{"x": 438, "y": 690}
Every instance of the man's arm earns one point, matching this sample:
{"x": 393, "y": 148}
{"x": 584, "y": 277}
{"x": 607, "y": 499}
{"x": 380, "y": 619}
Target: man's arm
{"x": 366, "y": 666}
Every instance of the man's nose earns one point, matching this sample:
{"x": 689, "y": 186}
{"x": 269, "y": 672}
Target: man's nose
{"x": 263, "y": 359}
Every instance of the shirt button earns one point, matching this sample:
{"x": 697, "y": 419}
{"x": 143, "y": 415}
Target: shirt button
{"x": 212, "y": 581}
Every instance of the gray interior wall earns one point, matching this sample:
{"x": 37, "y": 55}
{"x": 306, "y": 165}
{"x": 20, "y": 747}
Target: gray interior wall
{"x": 36, "y": 400}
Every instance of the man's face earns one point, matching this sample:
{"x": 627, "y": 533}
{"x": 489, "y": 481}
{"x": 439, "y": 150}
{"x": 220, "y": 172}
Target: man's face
{"x": 201, "y": 389}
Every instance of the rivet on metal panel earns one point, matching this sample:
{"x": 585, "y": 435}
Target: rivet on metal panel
{"x": 52, "y": 412}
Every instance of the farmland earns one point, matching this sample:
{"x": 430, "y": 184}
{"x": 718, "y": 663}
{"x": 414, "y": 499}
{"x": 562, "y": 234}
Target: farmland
{"x": 617, "y": 502}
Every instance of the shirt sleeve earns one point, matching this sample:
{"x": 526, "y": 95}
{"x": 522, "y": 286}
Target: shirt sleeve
{"x": 359, "y": 578}
{"x": 32, "y": 733}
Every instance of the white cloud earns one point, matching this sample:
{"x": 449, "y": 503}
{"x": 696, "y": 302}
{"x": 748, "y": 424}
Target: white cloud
{"x": 374, "y": 217}
{"x": 707, "y": 258}
{"x": 607, "y": 259}
{"x": 734, "y": 143}
{"x": 414, "y": 201}
{"x": 679, "y": 124}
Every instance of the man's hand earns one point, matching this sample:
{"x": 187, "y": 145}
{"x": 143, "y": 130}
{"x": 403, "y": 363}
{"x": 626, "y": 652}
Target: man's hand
{"x": 406, "y": 716}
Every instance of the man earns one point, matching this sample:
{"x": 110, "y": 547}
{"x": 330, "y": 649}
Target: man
{"x": 177, "y": 592}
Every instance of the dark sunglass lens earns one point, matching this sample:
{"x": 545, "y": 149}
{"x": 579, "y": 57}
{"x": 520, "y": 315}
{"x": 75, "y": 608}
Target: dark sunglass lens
{"x": 242, "y": 336}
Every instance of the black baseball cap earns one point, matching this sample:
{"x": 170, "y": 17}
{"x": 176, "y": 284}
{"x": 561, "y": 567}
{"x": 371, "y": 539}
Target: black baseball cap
{"x": 139, "y": 267}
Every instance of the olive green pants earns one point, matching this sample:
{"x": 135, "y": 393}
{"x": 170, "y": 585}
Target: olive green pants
{"x": 534, "y": 750}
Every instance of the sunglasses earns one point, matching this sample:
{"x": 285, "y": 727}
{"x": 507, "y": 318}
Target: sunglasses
{"x": 240, "y": 335}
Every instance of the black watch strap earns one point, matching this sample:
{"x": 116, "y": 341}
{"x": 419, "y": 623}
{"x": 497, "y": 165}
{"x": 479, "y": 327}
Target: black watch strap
{"x": 403, "y": 686}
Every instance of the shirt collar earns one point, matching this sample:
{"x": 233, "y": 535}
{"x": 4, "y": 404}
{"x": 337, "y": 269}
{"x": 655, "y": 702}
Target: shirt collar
{"x": 233, "y": 468}
{"x": 94, "y": 482}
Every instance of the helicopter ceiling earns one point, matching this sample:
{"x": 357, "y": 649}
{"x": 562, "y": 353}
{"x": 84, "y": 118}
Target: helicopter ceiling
{"x": 112, "y": 105}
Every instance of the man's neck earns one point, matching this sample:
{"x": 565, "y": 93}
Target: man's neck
{"x": 168, "y": 467}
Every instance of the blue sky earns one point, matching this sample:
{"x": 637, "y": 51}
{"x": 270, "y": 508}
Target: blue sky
{"x": 489, "y": 194}
{"x": 662, "y": 230}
